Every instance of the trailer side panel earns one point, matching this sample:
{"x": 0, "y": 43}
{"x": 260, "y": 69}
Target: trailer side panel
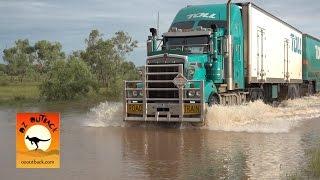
{"x": 274, "y": 53}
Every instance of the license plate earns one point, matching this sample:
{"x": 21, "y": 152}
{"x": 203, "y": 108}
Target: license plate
{"x": 192, "y": 109}
{"x": 134, "y": 108}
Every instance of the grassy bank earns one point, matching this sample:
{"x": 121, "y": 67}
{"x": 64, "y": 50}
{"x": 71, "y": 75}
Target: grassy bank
{"x": 19, "y": 92}
{"x": 12, "y": 93}
{"x": 311, "y": 170}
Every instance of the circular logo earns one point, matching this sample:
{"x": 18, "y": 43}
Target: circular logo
{"x": 37, "y": 137}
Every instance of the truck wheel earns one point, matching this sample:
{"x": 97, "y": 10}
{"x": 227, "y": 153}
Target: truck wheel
{"x": 260, "y": 95}
{"x": 310, "y": 89}
{"x": 253, "y": 96}
{"x": 213, "y": 100}
{"x": 290, "y": 93}
{"x": 293, "y": 92}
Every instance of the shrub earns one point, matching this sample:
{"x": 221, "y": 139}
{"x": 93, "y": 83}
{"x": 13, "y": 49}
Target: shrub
{"x": 67, "y": 80}
{"x": 4, "y": 82}
{"x": 19, "y": 97}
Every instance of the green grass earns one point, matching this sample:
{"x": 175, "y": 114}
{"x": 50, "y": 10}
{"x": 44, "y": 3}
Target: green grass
{"x": 14, "y": 92}
{"x": 312, "y": 168}
{"x": 19, "y": 92}
{"x": 314, "y": 164}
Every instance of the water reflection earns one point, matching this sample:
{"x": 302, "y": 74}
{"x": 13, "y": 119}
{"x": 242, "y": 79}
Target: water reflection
{"x": 184, "y": 154}
{"x": 190, "y": 154}
{"x": 157, "y": 152}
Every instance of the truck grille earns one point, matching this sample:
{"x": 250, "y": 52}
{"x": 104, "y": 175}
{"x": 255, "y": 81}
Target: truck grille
{"x": 160, "y": 76}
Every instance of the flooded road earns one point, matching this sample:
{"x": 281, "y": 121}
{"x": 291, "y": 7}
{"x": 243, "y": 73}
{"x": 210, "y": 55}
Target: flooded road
{"x": 255, "y": 141}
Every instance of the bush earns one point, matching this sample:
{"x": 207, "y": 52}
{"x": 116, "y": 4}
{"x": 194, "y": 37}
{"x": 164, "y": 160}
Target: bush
{"x": 67, "y": 80}
{"x": 115, "y": 91}
{"x": 125, "y": 71}
{"x": 19, "y": 97}
{"x": 4, "y": 82}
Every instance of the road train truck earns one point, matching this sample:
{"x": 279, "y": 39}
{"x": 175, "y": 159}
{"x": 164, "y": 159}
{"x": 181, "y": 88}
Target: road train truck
{"x": 221, "y": 54}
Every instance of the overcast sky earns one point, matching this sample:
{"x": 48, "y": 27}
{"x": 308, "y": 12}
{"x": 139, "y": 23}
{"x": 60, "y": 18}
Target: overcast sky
{"x": 70, "y": 21}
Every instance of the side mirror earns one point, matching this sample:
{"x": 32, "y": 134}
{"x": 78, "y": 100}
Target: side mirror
{"x": 214, "y": 27}
{"x": 153, "y": 32}
{"x": 149, "y": 46}
{"x": 152, "y": 43}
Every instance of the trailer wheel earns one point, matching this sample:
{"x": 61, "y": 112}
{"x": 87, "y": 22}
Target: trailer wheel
{"x": 260, "y": 95}
{"x": 310, "y": 89}
{"x": 256, "y": 95}
{"x": 293, "y": 91}
{"x": 213, "y": 100}
{"x": 253, "y": 96}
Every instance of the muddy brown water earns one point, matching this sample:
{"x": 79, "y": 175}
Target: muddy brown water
{"x": 237, "y": 143}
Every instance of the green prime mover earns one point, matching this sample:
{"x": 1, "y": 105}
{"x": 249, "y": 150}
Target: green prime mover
{"x": 311, "y": 62}
{"x": 216, "y": 54}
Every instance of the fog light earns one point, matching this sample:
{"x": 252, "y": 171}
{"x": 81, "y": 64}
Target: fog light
{"x": 191, "y": 93}
{"x": 198, "y": 94}
{"x": 134, "y": 93}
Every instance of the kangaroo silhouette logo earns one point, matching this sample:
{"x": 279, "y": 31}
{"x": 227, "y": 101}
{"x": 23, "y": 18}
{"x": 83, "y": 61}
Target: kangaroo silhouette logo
{"x": 38, "y": 140}
{"x": 35, "y": 140}
{"x": 37, "y": 137}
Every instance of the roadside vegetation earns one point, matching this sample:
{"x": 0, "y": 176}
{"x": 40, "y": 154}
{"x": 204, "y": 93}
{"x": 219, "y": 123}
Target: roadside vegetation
{"x": 42, "y": 72}
{"x": 310, "y": 170}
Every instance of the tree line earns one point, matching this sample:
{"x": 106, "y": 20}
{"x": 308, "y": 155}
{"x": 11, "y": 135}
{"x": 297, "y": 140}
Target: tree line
{"x": 101, "y": 64}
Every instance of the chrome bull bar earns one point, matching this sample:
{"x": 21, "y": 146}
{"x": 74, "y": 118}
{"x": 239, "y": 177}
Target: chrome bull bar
{"x": 139, "y": 106}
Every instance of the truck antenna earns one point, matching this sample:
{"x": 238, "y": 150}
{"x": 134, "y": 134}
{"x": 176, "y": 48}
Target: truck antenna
{"x": 158, "y": 23}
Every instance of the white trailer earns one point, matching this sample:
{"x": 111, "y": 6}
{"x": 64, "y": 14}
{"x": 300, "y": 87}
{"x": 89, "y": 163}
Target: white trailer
{"x": 273, "y": 48}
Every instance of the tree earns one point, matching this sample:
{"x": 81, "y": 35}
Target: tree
{"x": 124, "y": 43}
{"x": 46, "y": 53}
{"x": 3, "y": 68}
{"x": 126, "y": 71}
{"x": 100, "y": 55}
{"x": 93, "y": 38}
{"x": 19, "y": 58}
{"x": 105, "y": 57}
{"x": 68, "y": 79}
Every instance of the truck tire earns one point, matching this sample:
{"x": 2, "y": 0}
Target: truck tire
{"x": 293, "y": 91}
{"x": 256, "y": 94}
{"x": 260, "y": 95}
{"x": 310, "y": 89}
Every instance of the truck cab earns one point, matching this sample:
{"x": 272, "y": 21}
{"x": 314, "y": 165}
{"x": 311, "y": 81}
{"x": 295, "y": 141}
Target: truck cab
{"x": 187, "y": 69}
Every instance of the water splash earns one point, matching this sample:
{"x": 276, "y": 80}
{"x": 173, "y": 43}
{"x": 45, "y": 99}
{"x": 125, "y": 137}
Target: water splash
{"x": 252, "y": 117}
{"x": 104, "y": 115}
{"x": 260, "y": 117}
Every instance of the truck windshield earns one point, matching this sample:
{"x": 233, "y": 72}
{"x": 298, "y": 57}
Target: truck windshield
{"x": 209, "y": 23}
{"x": 193, "y": 44}
{"x": 183, "y": 25}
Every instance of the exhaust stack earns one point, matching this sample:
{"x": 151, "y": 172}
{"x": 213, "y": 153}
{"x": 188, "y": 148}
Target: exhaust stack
{"x": 229, "y": 69}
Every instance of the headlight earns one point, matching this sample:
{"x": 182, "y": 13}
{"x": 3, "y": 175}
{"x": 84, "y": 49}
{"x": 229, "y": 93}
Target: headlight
{"x": 134, "y": 93}
{"x": 198, "y": 94}
{"x": 191, "y": 93}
